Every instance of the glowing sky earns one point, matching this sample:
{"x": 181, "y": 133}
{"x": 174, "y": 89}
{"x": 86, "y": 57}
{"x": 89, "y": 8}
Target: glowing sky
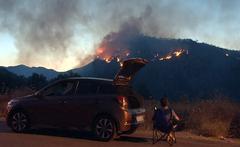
{"x": 62, "y": 34}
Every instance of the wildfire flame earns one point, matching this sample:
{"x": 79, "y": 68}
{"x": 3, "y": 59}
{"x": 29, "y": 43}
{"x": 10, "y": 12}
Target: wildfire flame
{"x": 121, "y": 64}
{"x": 108, "y": 60}
{"x": 176, "y": 53}
{"x": 104, "y": 54}
{"x": 118, "y": 59}
{"x": 120, "y": 56}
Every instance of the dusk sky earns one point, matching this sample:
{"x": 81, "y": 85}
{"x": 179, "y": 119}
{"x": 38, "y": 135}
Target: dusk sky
{"x": 64, "y": 34}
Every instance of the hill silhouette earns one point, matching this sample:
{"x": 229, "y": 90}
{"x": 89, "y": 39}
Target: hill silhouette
{"x": 28, "y": 71}
{"x": 201, "y": 71}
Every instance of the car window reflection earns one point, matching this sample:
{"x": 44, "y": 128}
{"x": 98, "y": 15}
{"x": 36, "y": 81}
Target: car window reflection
{"x": 60, "y": 89}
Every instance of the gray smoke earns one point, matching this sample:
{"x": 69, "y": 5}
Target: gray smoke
{"x": 41, "y": 28}
{"x": 45, "y": 31}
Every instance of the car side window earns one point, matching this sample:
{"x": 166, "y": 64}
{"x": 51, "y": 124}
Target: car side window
{"x": 107, "y": 89}
{"x": 60, "y": 89}
{"x": 86, "y": 88}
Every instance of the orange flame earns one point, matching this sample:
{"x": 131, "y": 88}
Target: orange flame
{"x": 176, "y": 53}
{"x": 118, "y": 59}
{"x": 103, "y": 54}
{"x": 121, "y": 64}
{"x": 179, "y": 52}
{"x": 108, "y": 60}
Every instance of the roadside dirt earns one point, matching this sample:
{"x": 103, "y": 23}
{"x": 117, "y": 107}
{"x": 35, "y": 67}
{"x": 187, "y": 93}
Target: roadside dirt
{"x": 64, "y": 138}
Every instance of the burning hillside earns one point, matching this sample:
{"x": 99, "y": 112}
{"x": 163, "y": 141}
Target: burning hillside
{"x": 175, "y": 53}
{"x": 119, "y": 57}
{"x": 177, "y": 67}
{"x": 129, "y": 43}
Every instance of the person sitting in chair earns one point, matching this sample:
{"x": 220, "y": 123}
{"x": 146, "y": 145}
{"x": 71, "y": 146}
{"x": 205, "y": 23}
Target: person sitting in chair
{"x": 165, "y": 118}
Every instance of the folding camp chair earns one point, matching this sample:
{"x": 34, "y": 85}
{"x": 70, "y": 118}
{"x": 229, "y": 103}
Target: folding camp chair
{"x": 161, "y": 134}
{"x": 158, "y": 135}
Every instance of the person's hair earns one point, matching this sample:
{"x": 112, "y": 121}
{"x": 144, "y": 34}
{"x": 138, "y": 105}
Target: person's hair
{"x": 164, "y": 102}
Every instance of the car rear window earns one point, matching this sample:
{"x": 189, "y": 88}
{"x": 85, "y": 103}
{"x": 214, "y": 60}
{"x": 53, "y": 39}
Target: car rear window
{"x": 133, "y": 98}
{"x": 133, "y": 102}
{"x": 125, "y": 90}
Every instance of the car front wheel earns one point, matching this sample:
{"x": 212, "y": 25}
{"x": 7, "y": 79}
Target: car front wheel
{"x": 19, "y": 122}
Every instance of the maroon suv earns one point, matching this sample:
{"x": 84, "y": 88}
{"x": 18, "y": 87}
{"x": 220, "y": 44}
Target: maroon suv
{"x": 106, "y": 107}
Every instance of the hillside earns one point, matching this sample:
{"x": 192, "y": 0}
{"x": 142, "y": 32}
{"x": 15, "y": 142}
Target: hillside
{"x": 202, "y": 70}
{"x": 28, "y": 71}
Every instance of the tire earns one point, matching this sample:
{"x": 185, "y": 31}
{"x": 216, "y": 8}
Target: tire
{"x": 19, "y": 122}
{"x": 104, "y": 128}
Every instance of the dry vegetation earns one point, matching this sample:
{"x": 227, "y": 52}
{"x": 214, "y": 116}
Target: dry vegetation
{"x": 17, "y": 93}
{"x": 208, "y": 117}
{"x": 3, "y": 102}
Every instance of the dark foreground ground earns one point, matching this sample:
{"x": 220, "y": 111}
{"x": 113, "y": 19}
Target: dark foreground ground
{"x": 54, "y": 138}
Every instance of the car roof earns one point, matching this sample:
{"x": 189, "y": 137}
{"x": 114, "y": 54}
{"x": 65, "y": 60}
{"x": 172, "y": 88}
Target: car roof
{"x": 90, "y": 79}
{"x": 101, "y": 80}
{"x": 93, "y": 79}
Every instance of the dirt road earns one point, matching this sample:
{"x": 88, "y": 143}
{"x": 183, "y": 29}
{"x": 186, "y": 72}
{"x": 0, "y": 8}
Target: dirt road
{"x": 54, "y": 138}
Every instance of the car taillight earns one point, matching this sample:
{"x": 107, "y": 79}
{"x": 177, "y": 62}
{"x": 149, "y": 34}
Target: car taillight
{"x": 123, "y": 101}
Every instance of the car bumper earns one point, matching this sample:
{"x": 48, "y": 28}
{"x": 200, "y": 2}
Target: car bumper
{"x": 132, "y": 118}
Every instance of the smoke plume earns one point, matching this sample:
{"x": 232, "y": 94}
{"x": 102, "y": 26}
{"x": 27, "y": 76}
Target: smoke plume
{"x": 59, "y": 33}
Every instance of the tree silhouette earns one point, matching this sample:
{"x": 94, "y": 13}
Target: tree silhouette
{"x": 36, "y": 81}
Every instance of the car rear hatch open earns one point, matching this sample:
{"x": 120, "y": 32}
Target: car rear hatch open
{"x": 129, "y": 68}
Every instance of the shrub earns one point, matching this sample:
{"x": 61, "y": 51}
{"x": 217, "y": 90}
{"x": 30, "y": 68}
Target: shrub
{"x": 16, "y": 93}
{"x": 207, "y": 117}
{"x": 235, "y": 127}
{"x": 3, "y": 102}
{"x": 211, "y": 117}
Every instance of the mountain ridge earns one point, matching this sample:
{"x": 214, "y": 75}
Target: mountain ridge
{"x": 204, "y": 70}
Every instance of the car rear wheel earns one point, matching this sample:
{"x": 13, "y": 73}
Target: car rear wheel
{"x": 19, "y": 122}
{"x": 104, "y": 128}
